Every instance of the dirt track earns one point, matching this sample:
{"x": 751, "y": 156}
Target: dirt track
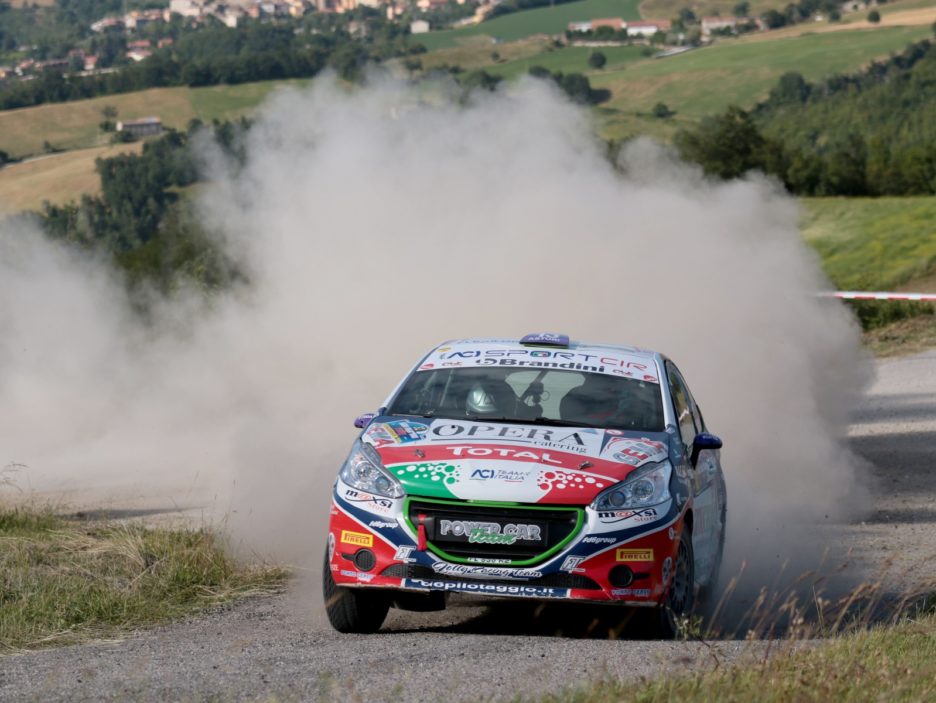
{"x": 278, "y": 647}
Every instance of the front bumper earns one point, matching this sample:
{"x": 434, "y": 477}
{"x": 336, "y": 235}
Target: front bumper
{"x": 623, "y": 557}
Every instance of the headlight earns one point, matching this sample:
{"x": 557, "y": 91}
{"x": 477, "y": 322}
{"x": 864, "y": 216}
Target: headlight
{"x": 648, "y": 486}
{"x": 364, "y": 470}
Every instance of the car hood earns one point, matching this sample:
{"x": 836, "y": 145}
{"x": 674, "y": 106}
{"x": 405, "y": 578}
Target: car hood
{"x": 445, "y": 458}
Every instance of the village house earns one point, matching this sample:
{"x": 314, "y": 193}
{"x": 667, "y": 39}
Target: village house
{"x": 714, "y": 24}
{"x": 419, "y": 27}
{"x": 143, "y": 127}
{"x": 647, "y": 28}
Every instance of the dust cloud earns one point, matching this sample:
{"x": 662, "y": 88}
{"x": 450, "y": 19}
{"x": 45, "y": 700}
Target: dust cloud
{"x": 375, "y": 223}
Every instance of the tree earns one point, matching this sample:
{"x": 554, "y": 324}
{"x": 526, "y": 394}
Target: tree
{"x": 791, "y": 88}
{"x": 597, "y": 60}
{"x": 727, "y": 145}
{"x": 742, "y": 8}
{"x": 662, "y": 111}
{"x": 774, "y": 19}
{"x": 874, "y": 17}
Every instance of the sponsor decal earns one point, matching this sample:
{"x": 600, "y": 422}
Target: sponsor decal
{"x": 464, "y": 570}
{"x": 357, "y": 575}
{"x": 503, "y": 453}
{"x": 667, "y": 569}
{"x": 605, "y": 362}
{"x": 403, "y": 554}
{"x": 633, "y": 555}
{"x": 637, "y": 592}
{"x": 488, "y": 588}
{"x": 490, "y": 532}
{"x": 671, "y": 533}
{"x": 331, "y": 545}
{"x": 571, "y": 564}
{"x": 645, "y": 515}
{"x": 634, "y": 452}
{"x": 578, "y": 441}
{"x": 599, "y": 540}
{"x": 376, "y": 503}
{"x": 381, "y": 523}
{"x": 484, "y": 560}
{"x": 505, "y": 475}
{"x": 358, "y": 539}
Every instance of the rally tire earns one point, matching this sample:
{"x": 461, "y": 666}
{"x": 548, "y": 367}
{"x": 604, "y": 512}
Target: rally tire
{"x": 679, "y": 602}
{"x": 353, "y": 610}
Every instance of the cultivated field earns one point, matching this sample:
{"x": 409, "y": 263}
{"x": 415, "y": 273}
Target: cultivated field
{"x": 571, "y": 59}
{"x": 56, "y": 178}
{"x": 74, "y": 125}
{"x": 732, "y": 72}
{"x": 546, "y": 20}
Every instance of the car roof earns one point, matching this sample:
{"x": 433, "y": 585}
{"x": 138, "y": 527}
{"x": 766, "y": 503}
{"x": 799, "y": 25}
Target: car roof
{"x": 575, "y": 345}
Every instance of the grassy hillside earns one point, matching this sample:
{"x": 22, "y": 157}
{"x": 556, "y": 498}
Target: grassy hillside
{"x": 57, "y": 178}
{"x": 731, "y": 72}
{"x": 74, "y": 125}
{"x": 545, "y": 20}
{"x": 572, "y": 59}
{"x": 874, "y": 243}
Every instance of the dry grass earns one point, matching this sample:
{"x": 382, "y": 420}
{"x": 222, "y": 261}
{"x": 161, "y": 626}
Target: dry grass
{"x": 910, "y": 336}
{"x": 63, "y": 581}
{"x": 75, "y": 125}
{"x": 57, "y": 178}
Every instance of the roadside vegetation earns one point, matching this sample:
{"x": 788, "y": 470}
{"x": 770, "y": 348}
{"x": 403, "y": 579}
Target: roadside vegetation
{"x": 894, "y": 663}
{"x": 64, "y": 580}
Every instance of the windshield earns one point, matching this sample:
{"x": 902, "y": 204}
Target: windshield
{"x": 533, "y": 396}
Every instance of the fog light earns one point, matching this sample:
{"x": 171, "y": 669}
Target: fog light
{"x": 365, "y": 560}
{"x": 621, "y": 576}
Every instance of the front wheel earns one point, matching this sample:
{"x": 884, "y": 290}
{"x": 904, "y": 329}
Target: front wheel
{"x": 356, "y": 610}
{"x": 673, "y": 613}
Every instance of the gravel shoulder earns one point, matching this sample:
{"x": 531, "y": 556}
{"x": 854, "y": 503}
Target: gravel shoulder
{"x": 281, "y": 648}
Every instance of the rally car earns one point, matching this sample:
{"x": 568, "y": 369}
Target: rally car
{"x": 538, "y": 468}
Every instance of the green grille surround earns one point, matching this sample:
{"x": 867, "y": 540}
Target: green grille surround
{"x": 555, "y": 549}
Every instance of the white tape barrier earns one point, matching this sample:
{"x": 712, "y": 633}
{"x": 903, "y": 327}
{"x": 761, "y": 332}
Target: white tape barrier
{"x": 879, "y": 295}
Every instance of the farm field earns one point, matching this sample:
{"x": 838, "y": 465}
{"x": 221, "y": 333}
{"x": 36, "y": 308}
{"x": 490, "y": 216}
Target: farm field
{"x": 74, "y": 125}
{"x": 707, "y": 80}
{"x": 545, "y": 20}
{"x": 572, "y": 59}
{"x": 57, "y": 178}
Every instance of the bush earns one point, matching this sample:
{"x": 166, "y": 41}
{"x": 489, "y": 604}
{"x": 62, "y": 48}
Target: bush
{"x": 597, "y": 60}
{"x": 874, "y": 16}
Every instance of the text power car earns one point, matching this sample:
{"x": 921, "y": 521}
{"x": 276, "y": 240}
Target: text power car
{"x": 541, "y": 468}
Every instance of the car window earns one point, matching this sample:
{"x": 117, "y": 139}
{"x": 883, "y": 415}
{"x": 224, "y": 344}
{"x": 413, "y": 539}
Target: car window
{"x": 566, "y": 397}
{"x": 682, "y": 404}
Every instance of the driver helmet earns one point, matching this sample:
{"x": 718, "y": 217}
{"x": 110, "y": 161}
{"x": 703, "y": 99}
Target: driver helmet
{"x": 480, "y": 401}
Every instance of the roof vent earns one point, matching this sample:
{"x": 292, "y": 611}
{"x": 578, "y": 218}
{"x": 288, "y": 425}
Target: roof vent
{"x": 546, "y": 339}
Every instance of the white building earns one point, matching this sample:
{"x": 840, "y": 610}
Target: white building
{"x": 419, "y": 27}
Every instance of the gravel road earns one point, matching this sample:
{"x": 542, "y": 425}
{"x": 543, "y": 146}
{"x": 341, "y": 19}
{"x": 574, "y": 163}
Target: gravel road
{"x": 280, "y": 648}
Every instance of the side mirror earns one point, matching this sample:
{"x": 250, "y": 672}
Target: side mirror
{"x": 702, "y": 441}
{"x": 362, "y": 421}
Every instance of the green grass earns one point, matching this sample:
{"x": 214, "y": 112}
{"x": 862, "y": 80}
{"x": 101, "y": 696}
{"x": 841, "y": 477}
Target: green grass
{"x": 737, "y": 72}
{"x": 63, "y": 581}
{"x": 894, "y": 664}
{"x": 573, "y": 59}
{"x": 74, "y": 125}
{"x": 874, "y": 243}
{"x": 544, "y": 20}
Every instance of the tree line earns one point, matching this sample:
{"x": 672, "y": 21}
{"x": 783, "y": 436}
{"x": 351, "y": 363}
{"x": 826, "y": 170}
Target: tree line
{"x": 865, "y": 134}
